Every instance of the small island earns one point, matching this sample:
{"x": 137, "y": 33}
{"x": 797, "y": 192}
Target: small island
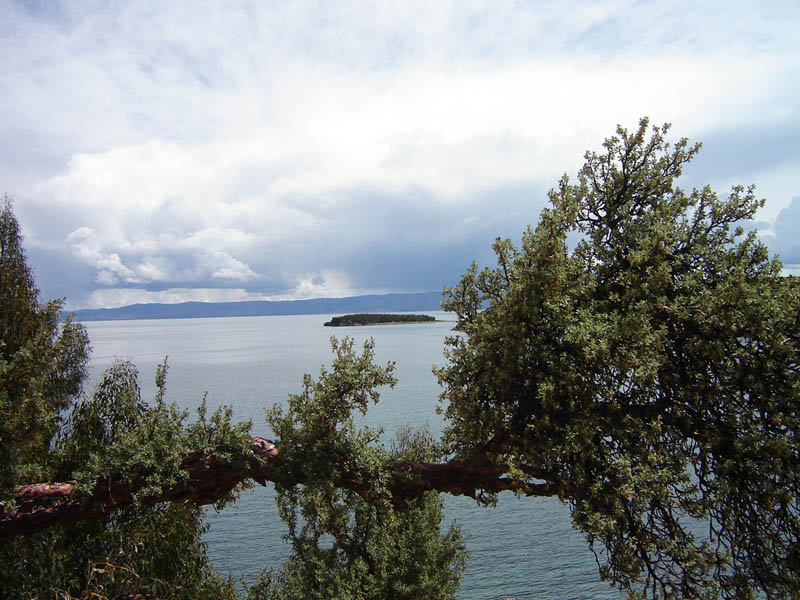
{"x": 376, "y": 319}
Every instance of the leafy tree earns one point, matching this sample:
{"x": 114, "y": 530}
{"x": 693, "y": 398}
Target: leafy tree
{"x": 650, "y": 374}
{"x": 42, "y": 363}
{"x": 371, "y": 553}
{"x": 344, "y": 546}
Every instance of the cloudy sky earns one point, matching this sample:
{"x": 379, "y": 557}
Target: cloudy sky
{"x": 226, "y": 151}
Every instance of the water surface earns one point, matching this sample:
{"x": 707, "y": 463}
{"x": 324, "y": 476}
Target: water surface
{"x": 522, "y": 547}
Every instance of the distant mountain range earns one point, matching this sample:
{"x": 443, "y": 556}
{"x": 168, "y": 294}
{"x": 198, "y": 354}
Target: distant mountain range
{"x": 193, "y": 310}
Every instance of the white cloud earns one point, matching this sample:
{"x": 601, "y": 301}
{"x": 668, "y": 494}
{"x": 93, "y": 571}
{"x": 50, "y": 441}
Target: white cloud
{"x": 110, "y": 268}
{"x": 153, "y": 256}
{"x": 223, "y": 266}
{"x": 165, "y": 145}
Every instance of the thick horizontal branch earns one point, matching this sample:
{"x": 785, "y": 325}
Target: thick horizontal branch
{"x": 41, "y": 505}
{"x": 464, "y": 478}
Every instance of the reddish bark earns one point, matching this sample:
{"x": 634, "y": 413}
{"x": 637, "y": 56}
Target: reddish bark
{"x": 41, "y": 505}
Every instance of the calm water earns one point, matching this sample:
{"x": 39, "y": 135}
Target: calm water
{"x": 525, "y": 548}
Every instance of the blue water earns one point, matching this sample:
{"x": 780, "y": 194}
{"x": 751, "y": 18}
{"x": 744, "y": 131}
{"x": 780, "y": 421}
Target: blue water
{"x": 522, "y": 547}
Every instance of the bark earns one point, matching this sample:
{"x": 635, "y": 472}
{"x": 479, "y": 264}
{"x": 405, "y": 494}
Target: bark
{"x": 42, "y": 505}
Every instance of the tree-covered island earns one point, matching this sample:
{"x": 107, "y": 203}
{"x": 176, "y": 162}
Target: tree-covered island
{"x": 376, "y": 319}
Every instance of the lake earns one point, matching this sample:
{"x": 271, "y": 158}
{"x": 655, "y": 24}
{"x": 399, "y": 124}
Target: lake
{"x": 522, "y": 547}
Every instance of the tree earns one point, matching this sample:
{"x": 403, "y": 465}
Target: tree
{"x": 650, "y": 374}
{"x": 128, "y": 516}
{"x": 373, "y": 552}
{"x": 42, "y": 364}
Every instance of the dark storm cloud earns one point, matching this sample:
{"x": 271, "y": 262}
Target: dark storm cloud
{"x": 413, "y": 242}
{"x": 786, "y": 242}
{"x": 746, "y": 149}
{"x": 60, "y": 274}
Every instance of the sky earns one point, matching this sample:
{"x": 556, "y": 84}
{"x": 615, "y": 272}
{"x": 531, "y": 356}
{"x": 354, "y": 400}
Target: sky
{"x": 222, "y": 151}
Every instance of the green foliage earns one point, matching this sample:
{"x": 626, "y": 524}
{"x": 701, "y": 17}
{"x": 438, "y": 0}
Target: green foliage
{"x": 42, "y": 363}
{"x": 651, "y": 372}
{"x": 317, "y": 429}
{"x": 342, "y": 546}
{"x": 353, "y": 550}
{"x": 155, "y": 549}
{"x": 116, "y": 435}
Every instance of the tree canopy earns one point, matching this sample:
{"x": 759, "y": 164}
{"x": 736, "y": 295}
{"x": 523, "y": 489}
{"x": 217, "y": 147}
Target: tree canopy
{"x": 636, "y": 356}
{"x": 650, "y": 373}
{"x": 42, "y": 364}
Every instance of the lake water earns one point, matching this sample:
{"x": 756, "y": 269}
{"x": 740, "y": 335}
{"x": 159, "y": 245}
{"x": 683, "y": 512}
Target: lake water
{"x": 522, "y": 547}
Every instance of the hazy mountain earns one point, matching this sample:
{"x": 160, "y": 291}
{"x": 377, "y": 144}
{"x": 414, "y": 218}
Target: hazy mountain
{"x": 187, "y": 310}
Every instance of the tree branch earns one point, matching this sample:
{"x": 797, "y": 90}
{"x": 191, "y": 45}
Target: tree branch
{"x": 42, "y": 505}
